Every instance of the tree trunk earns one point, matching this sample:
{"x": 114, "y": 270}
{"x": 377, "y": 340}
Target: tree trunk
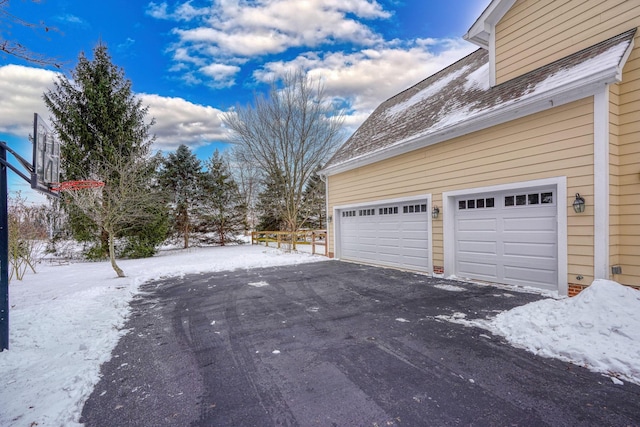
{"x": 112, "y": 255}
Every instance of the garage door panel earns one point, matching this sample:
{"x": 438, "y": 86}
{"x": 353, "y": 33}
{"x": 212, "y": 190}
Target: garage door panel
{"x": 413, "y": 243}
{"x": 536, "y": 251}
{"x": 477, "y": 269}
{"x": 530, "y": 224}
{"x": 477, "y": 247}
{"x": 477, "y": 224}
{"x": 414, "y": 225}
{"x": 540, "y": 278}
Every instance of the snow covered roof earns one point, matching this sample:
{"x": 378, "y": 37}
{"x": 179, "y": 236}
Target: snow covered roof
{"x": 458, "y": 100}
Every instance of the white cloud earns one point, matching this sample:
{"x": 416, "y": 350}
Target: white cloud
{"x": 221, "y": 74}
{"x": 177, "y": 120}
{"x": 22, "y": 89}
{"x": 233, "y": 30}
{"x": 181, "y": 122}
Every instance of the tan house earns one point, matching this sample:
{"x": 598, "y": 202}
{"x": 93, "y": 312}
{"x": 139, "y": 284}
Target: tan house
{"x": 475, "y": 171}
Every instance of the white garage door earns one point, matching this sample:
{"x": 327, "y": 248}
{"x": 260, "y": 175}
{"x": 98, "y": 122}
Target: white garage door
{"x": 394, "y": 235}
{"x": 509, "y": 237}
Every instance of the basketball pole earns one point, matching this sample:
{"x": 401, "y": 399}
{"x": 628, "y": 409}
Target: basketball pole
{"x": 4, "y": 251}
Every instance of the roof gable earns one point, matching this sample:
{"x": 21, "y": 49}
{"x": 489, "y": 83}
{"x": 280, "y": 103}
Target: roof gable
{"x": 458, "y": 100}
{"x": 480, "y": 32}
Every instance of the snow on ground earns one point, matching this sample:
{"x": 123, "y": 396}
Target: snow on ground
{"x": 66, "y": 319}
{"x": 598, "y": 329}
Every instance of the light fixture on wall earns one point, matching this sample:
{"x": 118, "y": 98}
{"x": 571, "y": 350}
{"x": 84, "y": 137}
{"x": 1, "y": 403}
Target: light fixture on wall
{"x": 435, "y": 212}
{"x": 578, "y": 203}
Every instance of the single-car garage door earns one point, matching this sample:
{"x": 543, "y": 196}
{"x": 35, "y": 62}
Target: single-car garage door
{"x": 394, "y": 235}
{"x": 508, "y": 237}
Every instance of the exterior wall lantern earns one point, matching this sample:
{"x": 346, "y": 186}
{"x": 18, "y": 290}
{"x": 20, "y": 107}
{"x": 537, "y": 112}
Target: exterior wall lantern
{"x": 578, "y": 203}
{"x": 435, "y": 212}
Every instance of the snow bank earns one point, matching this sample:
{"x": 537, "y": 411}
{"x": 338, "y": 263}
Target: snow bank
{"x": 599, "y": 329}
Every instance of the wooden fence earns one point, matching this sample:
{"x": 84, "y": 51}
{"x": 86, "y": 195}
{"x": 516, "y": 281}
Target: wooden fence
{"x": 313, "y": 238}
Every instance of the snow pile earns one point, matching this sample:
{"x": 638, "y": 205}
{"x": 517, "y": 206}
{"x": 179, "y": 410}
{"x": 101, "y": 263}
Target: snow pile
{"x": 66, "y": 319}
{"x": 599, "y": 329}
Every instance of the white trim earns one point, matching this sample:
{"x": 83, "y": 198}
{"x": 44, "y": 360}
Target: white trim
{"x": 481, "y": 30}
{"x": 601, "y": 184}
{"x": 560, "y": 184}
{"x": 336, "y": 221}
{"x": 492, "y": 57}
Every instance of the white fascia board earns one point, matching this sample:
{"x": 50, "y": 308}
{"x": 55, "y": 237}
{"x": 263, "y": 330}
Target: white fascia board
{"x": 481, "y": 30}
{"x": 560, "y": 95}
{"x": 623, "y": 60}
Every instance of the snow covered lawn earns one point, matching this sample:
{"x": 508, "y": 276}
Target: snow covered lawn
{"x": 66, "y": 319}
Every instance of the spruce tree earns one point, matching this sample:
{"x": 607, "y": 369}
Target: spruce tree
{"x": 180, "y": 176}
{"x": 270, "y": 205}
{"x": 223, "y": 208}
{"x": 314, "y": 203}
{"x": 105, "y": 136}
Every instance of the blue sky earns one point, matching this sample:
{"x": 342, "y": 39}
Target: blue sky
{"x": 191, "y": 60}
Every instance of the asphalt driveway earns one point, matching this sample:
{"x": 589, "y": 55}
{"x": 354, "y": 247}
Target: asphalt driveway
{"x": 336, "y": 344}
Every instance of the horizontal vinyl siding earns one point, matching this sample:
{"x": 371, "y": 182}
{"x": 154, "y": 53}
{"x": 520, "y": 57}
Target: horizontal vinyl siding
{"x": 536, "y": 33}
{"x": 556, "y": 142}
{"x": 625, "y": 140}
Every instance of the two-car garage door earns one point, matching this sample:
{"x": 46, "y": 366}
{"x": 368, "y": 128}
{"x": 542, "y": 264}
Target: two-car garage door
{"x": 391, "y": 234}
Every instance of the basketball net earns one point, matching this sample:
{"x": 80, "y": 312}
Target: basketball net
{"x": 86, "y": 194}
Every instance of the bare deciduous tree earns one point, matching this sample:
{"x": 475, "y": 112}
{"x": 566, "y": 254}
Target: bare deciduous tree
{"x": 27, "y": 234}
{"x": 15, "y": 48}
{"x": 126, "y": 201}
{"x": 248, "y": 177}
{"x": 289, "y": 132}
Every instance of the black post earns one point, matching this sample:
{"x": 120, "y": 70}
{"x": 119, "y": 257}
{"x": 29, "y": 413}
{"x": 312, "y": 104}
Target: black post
{"x": 4, "y": 252}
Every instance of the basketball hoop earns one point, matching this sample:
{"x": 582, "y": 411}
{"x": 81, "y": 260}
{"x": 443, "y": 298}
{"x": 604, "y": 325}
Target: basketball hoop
{"x": 86, "y": 194}
{"x": 76, "y": 185}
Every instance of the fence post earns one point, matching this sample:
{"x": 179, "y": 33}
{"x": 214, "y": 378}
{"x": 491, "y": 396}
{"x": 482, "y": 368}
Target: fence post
{"x": 313, "y": 243}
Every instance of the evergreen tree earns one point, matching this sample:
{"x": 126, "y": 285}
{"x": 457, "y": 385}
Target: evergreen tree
{"x": 98, "y": 118}
{"x": 104, "y": 136}
{"x": 314, "y": 203}
{"x": 270, "y": 204}
{"x": 222, "y": 209}
{"x": 180, "y": 176}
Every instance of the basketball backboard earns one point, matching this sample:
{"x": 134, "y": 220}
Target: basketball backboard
{"x": 46, "y": 156}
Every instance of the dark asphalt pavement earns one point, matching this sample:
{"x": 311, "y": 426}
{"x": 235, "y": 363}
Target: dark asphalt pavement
{"x": 336, "y": 344}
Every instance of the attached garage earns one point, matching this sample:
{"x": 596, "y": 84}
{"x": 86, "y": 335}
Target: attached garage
{"x": 508, "y": 237}
{"x": 393, "y": 234}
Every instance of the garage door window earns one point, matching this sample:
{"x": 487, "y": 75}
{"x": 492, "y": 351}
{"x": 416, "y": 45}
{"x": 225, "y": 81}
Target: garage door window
{"x": 388, "y": 211}
{"x": 488, "y": 202}
{"x": 348, "y": 213}
{"x": 367, "y": 212}
{"x": 528, "y": 199}
{"x": 414, "y": 208}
